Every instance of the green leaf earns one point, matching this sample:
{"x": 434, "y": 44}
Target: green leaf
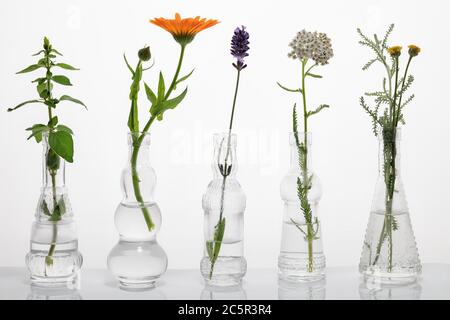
{"x": 38, "y": 53}
{"x": 36, "y": 131}
{"x": 150, "y": 94}
{"x": 62, "y": 127}
{"x": 30, "y": 68}
{"x": 62, "y": 206}
{"x": 62, "y": 143}
{"x": 158, "y": 109}
{"x": 218, "y": 237}
{"x": 183, "y": 78}
{"x": 69, "y": 98}
{"x": 39, "y": 80}
{"x": 45, "y": 209}
{"x": 66, "y": 66}
{"x": 128, "y": 65}
{"x": 313, "y": 75}
{"x": 24, "y": 103}
{"x": 287, "y": 89}
{"x": 56, "y": 51}
{"x": 53, "y": 122}
{"x": 61, "y": 80}
{"x": 161, "y": 87}
{"x": 320, "y": 108}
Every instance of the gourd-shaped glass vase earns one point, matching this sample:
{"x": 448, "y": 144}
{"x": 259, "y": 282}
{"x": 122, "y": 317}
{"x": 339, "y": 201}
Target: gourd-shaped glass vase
{"x": 137, "y": 261}
{"x": 301, "y": 256}
{"x": 223, "y": 263}
{"x": 389, "y": 252}
{"x": 54, "y": 259}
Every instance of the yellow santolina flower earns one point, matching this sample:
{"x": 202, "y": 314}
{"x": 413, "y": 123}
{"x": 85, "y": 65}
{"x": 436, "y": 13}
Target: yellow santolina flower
{"x": 413, "y": 50}
{"x": 184, "y": 30}
{"x": 395, "y": 51}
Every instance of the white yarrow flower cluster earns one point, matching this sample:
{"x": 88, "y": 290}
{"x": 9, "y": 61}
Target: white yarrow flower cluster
{"x": 311, "y": 45}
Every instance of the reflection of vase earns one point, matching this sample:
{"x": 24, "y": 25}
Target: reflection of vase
{"x": 138, "y": 260}
{"x": 389, "y": 252}
{"x": 224, "y": 202}
{"x": 378, "y": 291}
{"x": 288, "y": 290}
{"x": 53, "y": 293}
{"x": 54, "y": 258}
{"x": 223, "y": 293}
{"x": 301, "y": 257}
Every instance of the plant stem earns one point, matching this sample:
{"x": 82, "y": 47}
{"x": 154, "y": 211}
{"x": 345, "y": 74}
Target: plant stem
{"x": 137, "y": 145}
{"x": 53, "y": 172}
{"x": 304, "y": 168}
{"x": 218, "y": 240}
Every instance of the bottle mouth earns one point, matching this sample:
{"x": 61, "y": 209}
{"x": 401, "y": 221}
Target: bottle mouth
{"x": 224, "y": 136}
{"x": 300, "y": 136}
{"x": 134, "y": 136}
{"x": 384, "y": 133}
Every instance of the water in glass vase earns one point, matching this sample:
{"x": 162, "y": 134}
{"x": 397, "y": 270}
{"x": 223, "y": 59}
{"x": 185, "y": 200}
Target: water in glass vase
{"x": 301, "y": 257}
{"x": 224, "y": 203}
{"x": 138, "y": 261}
{"x": 389, "y": 252}
{"x": 54, "y": 259}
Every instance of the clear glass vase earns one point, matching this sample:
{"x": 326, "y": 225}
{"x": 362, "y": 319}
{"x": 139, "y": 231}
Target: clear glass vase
{"x": 54, "y": 259}
{"x": 301, "y": 256}
{"x": 137, "y": 261}
{"x": 223, "y": 263}
{"x": 389, "y": 252}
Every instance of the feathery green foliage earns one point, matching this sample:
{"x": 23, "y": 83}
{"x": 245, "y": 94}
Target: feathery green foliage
{"x": 386, "y": 115}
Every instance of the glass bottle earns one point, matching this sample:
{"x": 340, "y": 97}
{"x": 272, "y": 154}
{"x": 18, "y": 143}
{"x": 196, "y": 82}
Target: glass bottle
{"x": 389, "y": 253}
{"x": 54, "y": 259}
{"x": 137, "y": 261}
{"x": 224, "y": 202}
{"x": 301, "y": 256}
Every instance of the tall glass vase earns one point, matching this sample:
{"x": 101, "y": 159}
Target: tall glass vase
{"x": 301, "y": 257}
{"x": 389, "y": 252}
{"x": 223, "y": 263}
{"x": 137, "y": 261}
{"x": 54, "y": 259}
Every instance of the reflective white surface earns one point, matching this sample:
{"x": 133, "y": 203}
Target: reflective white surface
{"x": 341, "y": 283}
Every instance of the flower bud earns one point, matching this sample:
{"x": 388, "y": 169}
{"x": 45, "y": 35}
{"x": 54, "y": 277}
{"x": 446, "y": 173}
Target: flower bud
{"x": 144, "y": 54}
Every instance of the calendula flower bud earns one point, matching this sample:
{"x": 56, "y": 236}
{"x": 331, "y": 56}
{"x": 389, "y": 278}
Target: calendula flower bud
{"x": 395, "y": 51}
{"x": 413, "y": 50}
{"x": 144, "y": 54}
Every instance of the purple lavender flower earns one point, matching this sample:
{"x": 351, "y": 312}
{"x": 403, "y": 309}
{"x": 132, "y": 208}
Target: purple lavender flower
{"x": 239, "y": 47}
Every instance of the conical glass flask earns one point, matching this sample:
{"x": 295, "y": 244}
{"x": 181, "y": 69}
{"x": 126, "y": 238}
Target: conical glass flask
{"x": 138, "y": 260}
{"x": 389, "y": 252}
{"x": 54, "y": 259}
{"x": 301, "y": 257}
{"x": 224, "y": 202}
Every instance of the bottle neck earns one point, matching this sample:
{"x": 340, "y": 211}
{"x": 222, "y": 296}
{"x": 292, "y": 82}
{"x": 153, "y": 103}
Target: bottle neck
{"x": 53, "y": 172}
{"x": 139, "y": 148}
{"x": 301, "y": 155}
{"x": 224, "y": 162}
{"x": 389, "y": 152}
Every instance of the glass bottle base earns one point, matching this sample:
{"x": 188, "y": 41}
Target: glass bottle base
{"x": 396, "y": 277}
{"x": 227, "y": 271}
{"x": 293, "y": 267}
{"x": 137, "y": 284}
{"x": 59, "y": 270}
{"x": 53, "y": 282}
{"x": 137, "y": 265}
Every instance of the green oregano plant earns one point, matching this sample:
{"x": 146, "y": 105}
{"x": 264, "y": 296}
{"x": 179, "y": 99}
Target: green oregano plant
{"x": 60, "y": 139}
{"x": 387, "y": 116}
{"x": 312, "y": 49}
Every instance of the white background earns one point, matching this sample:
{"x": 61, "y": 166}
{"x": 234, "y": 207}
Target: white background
{"x": 94, "y": 34}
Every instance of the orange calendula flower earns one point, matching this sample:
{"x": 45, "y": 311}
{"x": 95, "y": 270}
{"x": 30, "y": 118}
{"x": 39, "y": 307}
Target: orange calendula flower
{"x": 184, "y": 30}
